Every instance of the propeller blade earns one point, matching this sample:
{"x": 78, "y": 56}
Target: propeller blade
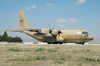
{"x": 50, "y": 31}
{"x": 59, "y": 32}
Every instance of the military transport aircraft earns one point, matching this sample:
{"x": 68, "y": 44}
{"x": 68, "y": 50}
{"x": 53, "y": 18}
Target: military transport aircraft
{"x": 52, "y": 36}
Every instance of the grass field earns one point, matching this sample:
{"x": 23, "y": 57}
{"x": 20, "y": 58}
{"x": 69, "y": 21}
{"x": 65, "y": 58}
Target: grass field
{"x": 49, "y": 55}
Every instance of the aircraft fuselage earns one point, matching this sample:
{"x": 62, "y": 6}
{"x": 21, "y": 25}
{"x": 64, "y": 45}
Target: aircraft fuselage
{"x": 67, "y": 36}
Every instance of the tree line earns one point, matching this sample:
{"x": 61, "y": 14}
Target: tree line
{"x": 6, "y": 38}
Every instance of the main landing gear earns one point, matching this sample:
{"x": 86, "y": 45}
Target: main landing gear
{"x": 81, "y": 43}
{"x": 55, "y": 43}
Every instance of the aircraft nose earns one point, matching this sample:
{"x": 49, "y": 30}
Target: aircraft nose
{"x": 91, "y": 38}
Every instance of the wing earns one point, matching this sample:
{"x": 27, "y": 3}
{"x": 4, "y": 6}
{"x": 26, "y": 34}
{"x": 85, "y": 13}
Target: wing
{"x": 39, "y": 31}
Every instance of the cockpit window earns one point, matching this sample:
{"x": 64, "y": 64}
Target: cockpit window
{"x": 84, "y": 35}
{"x": 84, "y": 32}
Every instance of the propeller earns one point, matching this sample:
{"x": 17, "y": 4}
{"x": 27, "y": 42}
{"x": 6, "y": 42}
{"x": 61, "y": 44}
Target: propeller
{"x": 50, "y": 30}
{"x": 59, "y": 32}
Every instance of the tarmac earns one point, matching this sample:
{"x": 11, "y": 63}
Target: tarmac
{"x": 41, "y": 43}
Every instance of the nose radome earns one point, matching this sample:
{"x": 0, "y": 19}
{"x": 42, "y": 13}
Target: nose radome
{"x": 91, "y": 38}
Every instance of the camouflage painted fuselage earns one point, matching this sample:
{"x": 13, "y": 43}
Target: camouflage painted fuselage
{"x": 72, "y": 36}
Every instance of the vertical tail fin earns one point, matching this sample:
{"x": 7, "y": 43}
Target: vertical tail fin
{"x": 22, "y": 22}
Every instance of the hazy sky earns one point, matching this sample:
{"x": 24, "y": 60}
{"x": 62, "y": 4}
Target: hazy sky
{"x": 58, "y": 14}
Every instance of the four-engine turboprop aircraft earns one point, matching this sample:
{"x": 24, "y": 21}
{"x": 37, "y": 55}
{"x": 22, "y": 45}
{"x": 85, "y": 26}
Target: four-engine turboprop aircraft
{"x": 52, "y": 36}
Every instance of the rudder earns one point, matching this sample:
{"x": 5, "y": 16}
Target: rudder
{"x": 22, "y": 22}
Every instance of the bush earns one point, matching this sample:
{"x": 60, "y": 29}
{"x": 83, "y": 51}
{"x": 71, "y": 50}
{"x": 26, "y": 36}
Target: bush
{"x": 6, "y": 38}
{"x": 40, "y": 49}
{"x": 15, "y": 49}
{"x": 59, "y": 62}
{"x": 51, "y": 50}
{"x": 85, "y": 59}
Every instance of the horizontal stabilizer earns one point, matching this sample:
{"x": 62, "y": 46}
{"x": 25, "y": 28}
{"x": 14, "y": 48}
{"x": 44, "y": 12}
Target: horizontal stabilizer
{"x": 14, "y": 30}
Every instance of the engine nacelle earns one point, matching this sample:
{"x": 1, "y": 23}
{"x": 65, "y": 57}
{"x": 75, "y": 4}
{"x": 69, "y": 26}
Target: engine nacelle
{"x": 59, "y": 39}
{"x": 48, "y": 35}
